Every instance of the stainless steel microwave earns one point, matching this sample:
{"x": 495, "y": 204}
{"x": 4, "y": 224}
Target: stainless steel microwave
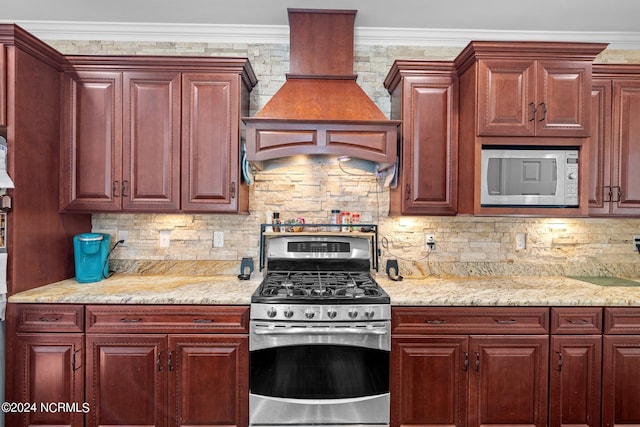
{"x": 529, "y": 177}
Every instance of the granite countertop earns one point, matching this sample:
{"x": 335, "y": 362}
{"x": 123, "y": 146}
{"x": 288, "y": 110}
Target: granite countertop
{"x": 429, "y": 291}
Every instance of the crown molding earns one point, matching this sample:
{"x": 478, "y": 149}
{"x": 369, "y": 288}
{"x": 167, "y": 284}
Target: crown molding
{"x": 256, "y": 34}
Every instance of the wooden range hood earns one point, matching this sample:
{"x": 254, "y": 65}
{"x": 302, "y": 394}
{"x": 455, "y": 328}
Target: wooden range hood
{"x": 321, "y": 109}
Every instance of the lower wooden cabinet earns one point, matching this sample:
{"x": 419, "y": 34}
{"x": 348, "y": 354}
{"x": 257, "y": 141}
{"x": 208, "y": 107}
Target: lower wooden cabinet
{"x": 49, "y": 371}
{"x": 114, "y": 365}
{"x": 575, "y": 367}
{"x": 441, "y": 379}
{"x": 621, "y": 367}
{"x": 176, "y": 379}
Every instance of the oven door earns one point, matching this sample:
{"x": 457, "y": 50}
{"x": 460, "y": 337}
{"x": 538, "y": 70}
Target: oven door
{"x": 319, "y": 373}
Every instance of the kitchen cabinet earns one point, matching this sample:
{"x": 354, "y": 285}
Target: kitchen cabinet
{"x": 424, "y": 95}
{"x": 47, "y": 360}
{"x": 113, "y": 170}
{"x": 30, "y": 117}
{"x": 540, "y": 99}
{"x": 129, "y": 364}
{"x": 469, "y": 366}
{"x": 117, "y": 158}
{"x": 614, "y": 146}
{"x": 621, "y": 367}
{"x": 184, "y": 366}
{"x": 575, "y": 366}
{"x": 533, "y": 97}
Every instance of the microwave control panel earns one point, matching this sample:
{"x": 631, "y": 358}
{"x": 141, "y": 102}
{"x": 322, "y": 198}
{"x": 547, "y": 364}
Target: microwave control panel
{"x": 571, "y": 185}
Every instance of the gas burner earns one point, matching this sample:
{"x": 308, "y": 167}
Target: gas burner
{"x": 329, "y": 285}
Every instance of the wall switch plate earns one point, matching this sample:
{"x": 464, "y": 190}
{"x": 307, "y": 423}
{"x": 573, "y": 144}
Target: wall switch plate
{"x": 165, "y": 238}
{"x": 123, "y": 235}
{"x": 521, "y": 241}
{"x": 218, "y": 239}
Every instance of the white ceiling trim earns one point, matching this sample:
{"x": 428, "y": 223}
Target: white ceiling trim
{"x": 252, "y": 34}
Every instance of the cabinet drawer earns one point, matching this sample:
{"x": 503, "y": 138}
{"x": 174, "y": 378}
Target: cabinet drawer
{"x": 469, "y": 320}
{"x": 622, "y": 320}
{"x": 48, "y": 318}
{"x": 167, "y": 319}
{"x": 576, "y": 320}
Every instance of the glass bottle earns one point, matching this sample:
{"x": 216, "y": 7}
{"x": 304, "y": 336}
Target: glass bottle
{"x": 276, "y": 222}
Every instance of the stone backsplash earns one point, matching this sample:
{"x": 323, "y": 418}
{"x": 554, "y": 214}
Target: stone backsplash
{"x": 465, "y": 245}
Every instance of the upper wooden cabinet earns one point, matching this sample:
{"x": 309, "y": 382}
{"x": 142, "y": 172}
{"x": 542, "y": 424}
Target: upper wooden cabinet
{"x": 533, "y": 98}
{"x": 523, "y": 94}
{"x": 158, "y": 134}
{"x": 544, "y": 92}
{"x": 614, "y": 150}
{"x": 424, "y": 95}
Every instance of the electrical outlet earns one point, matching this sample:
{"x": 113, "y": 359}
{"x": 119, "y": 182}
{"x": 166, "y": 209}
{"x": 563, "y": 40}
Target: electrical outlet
{"x": 521, "y": 241}
{"x": 429, "y": 241}
{"x": 165, "y": 238}
{"x": 218, "y": 239}
{"x": 124, "y": 236}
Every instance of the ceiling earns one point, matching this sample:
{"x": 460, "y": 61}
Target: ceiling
{"x": 595, "y": 20}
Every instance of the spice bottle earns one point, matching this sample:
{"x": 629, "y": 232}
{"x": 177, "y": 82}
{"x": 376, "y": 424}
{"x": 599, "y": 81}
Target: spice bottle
{"x": 346, "y": 221}
{"x": 355, "y": 221}
{"x": 335, "y": 219}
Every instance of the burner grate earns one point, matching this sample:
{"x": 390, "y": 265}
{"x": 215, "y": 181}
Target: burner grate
{"x": 321, "y": 284}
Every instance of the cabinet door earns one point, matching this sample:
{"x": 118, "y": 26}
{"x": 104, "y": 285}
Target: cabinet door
{"x": 626, "y": 147}
{"x": 151, "y": 141}
{"x": 429, "y": 381}
{"x": 49, "y": 370}
{"x": 210, "y": 382}
{"x": 575, "y": 380}
{"x": 508, "y": 385}
{"x": 91, "y": 146}
{"x": 563, "y": 97}
{"x": 210, "y": 143}
{"x": 600, "y": 148}
{"x": 127, "y": 379}
{"x": 620, "y": 385}
{"x": 506, "y": 97}
{"x": 430, "y": 161}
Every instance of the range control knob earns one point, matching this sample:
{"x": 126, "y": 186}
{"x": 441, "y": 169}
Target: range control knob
{"x": 369, "y": 313}
{"x": 309, "y": 313}
{"x": 272, "y": 312}
{"x": 288, "y": 313}
{"x": 352, "y": 313}
{"x": 332, "y": 313}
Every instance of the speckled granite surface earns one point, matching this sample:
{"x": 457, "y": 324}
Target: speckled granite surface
{"x": 430, "y": 291}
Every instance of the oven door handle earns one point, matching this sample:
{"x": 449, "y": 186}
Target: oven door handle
{"x": 320, "y": 331}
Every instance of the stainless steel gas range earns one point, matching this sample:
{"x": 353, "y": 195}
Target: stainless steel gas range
{"x": 320, "y": 335}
